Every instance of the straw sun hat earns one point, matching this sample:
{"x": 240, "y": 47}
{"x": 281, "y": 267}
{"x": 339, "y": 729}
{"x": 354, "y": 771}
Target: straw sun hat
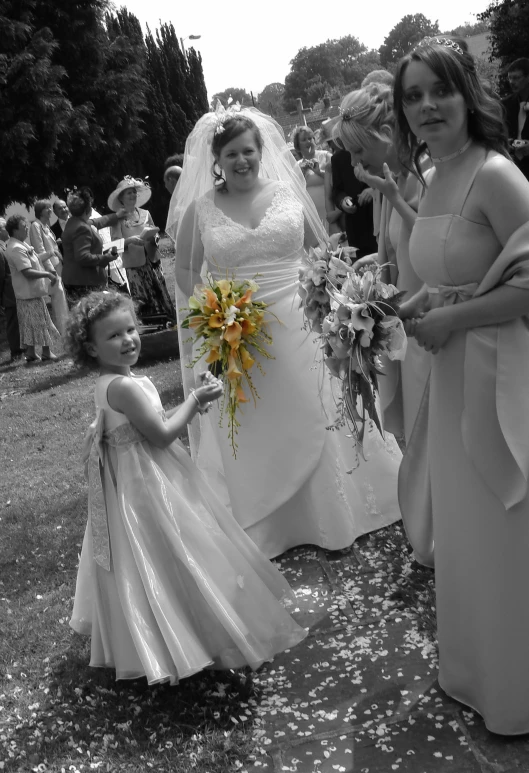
{"x": 143, "y": 190}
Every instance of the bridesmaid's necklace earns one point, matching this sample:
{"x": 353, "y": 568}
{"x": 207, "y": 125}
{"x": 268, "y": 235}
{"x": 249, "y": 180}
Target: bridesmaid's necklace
{"x": 451, "y": 156}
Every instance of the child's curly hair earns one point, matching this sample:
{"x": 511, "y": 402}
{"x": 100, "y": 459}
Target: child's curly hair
{"x": 83, "y": 315}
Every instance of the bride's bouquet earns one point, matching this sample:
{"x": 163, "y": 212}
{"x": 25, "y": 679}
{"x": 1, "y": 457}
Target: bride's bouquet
{"x": 231, "y": 328}
{"x": 355, "y": 315}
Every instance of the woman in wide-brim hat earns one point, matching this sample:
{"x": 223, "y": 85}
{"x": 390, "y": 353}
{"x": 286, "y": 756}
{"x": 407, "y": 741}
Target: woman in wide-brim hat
{"x": 141, "y": 257}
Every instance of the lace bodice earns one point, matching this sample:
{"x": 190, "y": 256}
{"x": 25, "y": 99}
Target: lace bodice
{"x": 230, "y": 244}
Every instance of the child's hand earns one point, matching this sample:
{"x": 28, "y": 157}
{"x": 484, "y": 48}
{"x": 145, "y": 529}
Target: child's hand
{"x": 212, "y": 389}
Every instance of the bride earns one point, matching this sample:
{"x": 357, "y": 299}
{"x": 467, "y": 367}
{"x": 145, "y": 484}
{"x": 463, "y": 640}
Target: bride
{"x": 241, "y": 208}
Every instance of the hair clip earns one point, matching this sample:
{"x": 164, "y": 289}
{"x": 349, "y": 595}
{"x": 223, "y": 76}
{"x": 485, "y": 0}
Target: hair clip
{"x": 349, "y": 113}
{"x": 446, "y": 42}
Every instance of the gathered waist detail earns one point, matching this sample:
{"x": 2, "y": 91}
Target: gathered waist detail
{"x": 451, "y": 294}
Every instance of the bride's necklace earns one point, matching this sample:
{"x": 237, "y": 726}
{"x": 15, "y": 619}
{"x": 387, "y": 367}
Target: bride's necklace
{"x": 442, "y": 159}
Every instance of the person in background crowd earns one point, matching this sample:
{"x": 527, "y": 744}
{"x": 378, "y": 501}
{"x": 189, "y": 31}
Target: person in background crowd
{"x": 85, "y": 265}
{"x": 141, "y": 257}
{"x": 31, "y": 287}
{"x": 62, "y": 213}
{"x": 377, "y": 76}
{"x": 335, "y": 216}
{"x": 313, "y": 163}
{"x": 8, "y": 301}
{"x": 43, "y": 241}
{"x": 172, "y": 171}
{"x": 516, "y": 107}
{"x": 354, "y": 199}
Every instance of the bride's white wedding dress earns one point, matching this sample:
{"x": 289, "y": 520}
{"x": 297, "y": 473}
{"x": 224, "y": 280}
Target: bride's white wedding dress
{"x": 289, "y": 484}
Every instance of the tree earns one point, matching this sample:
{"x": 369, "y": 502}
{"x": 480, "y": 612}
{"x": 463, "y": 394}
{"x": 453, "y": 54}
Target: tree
{"x": 87, "y": 99}
{"x": 328, "y": 65}
{"x": 409, "y": 31}
{"x": 508, "y": 29}
{"x": 469, "y": 29}
{"x": 235, "y": 94}
{"x": 271, "y": 98}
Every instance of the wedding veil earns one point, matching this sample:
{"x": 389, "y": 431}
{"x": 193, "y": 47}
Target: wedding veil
{"x": 277, "y": 163}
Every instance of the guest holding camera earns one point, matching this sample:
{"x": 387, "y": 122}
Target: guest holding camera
{"x": 85, "y": 264}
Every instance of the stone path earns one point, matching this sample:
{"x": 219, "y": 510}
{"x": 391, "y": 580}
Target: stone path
{"x": 360, "y": 693}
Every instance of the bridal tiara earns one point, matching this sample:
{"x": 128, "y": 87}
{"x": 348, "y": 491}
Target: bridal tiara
{"x": 222, "y": 114}
{"x": 446, "y": 42}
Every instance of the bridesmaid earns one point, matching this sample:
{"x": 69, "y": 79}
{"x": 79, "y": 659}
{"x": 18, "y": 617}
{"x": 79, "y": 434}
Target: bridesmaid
{"x": 365, "y": 129}
{"x": 467, "y": 463}
{"x": 312, "y": 163}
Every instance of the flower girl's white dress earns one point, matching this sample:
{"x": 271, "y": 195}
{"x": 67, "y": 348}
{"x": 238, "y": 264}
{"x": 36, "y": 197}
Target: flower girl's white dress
{"x": 168, "y": 582}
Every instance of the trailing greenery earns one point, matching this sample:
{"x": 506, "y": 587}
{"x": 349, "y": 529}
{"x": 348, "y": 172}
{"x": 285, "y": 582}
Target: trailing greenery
{"x": 87, "y": 98}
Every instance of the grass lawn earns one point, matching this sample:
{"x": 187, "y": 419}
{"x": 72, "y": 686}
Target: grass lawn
{"x": 56, "y": 713}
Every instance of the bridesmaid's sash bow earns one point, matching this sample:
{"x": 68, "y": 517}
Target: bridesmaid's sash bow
{"x": 93, "y": 457}
{"x": 452, "y": 294}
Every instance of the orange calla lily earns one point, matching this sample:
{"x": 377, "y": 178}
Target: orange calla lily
{"x": 233, "y": 333}
{"x": 211, "y": 299}
{"x": 213, "y": 356}
{"x": 248, "y": 327}
{"x": 246, "y": 358}
{"x": 216, "y": 320}
{"x": 246, "y": 298}
{"x": 233, "y": 372}
{"x": 196, "y": 321}
{"x": 241, "y": 397}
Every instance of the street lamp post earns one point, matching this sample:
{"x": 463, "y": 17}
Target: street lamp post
{"x": 189, "y": 37}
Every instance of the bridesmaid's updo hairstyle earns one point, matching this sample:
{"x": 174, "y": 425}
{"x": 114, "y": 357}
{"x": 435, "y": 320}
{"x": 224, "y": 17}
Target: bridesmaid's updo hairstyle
{"x": 226, "y": 132}
{"x": 365, "y": 115}
{"x": 452, "y": 63}
{"x": 84, "y": 315}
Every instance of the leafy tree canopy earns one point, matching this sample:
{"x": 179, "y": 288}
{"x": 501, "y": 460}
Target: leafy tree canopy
{"x": 271, "y": 98}
{"x": 325, "y": 66}
{"x": 468, "y": 29}
{"x": 236, "y": 94}
{"x": 508, "y": 22}
{"x": 404, "y": 35}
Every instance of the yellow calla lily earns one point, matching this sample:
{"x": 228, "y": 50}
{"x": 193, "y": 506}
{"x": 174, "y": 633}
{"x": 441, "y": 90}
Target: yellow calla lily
{"x": 247, "y": 327}
{"x": 216, "y": 320}
{"x": 233, "y": 373}
{"x": 213, "y": 356}
{"x": 211, "y": 299}
{"x": 246, "y": 298}
{"x": 246, "y": 358}
{"x": 224, "y": 286}
{"x": 241, "y": 397}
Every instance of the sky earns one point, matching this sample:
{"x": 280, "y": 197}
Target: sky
{"x": 250, "y": 43}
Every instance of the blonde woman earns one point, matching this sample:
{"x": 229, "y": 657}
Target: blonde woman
{"x": 365, "y": 129}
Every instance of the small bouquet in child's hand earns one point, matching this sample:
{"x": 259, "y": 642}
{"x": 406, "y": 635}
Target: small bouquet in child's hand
{"x": 231, "y": 328}
{"x": 355, "y": 315}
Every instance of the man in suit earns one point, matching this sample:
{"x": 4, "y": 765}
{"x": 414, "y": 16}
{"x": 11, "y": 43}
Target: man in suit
{"x": 355, "y": 199}
{"x": 62, "y": 213}
{"x": 516, "y": 107}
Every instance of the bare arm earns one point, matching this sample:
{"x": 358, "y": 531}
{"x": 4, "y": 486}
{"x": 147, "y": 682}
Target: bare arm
{"x": 127, "y": 397}
{"x": 189, "y": 252}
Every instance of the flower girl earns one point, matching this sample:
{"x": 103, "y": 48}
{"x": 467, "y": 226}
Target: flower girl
{"x": 168, "y": 582}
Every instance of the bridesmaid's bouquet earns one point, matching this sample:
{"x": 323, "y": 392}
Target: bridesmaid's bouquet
{"x": 231, "y": 328}
{"x": 355, "y": 315}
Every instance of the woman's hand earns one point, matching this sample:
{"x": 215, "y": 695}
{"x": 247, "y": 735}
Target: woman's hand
{"x": 134, "y": 240}
{"x": 365, "y": 196}
{"x": 52, "y": 276}
{"x": 386, "y": 185}
{"x": 433, "y": 329}
{"x": 121, "y": 213}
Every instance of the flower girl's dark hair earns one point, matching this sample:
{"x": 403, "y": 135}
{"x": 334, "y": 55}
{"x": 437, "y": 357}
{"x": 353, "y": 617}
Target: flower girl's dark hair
{"x": 83, "y": 315}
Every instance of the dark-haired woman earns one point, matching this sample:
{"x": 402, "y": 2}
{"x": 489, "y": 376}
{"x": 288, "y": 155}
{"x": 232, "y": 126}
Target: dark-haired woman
{"x": 84, "y": 265}
{"x": 289, "y": 483}
{"x": 467, "y": 463}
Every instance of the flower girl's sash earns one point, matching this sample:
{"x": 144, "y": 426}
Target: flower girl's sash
{"x": 94, "y": 457}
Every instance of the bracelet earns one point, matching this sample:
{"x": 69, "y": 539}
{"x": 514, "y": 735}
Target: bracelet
{"x": 201, "y": 408}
